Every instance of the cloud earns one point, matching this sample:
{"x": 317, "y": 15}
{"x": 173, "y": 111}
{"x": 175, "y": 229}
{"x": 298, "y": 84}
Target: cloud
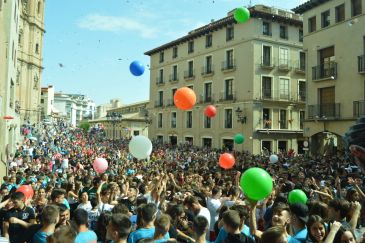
{"x": 97, "y": 22}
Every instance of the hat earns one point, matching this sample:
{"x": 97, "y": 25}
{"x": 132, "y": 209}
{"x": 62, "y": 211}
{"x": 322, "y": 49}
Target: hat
{"x": 300, "y": 210}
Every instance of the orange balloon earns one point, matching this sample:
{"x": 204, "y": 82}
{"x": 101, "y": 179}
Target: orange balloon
{"x": 184, "y": 98}
{"x": 226, "y": 161}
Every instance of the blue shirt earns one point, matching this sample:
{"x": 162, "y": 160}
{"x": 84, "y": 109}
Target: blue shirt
{"x": 301, "y": 235}
{"x": 41, "y": 237}
{"x": 223, "y": 234}
{"x": 86, "y": 237}
{"x": 143, "y": 233}
{"x": 292, "y": 240}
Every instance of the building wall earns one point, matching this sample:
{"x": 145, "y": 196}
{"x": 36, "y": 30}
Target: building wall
{"x": 348, "y": 39}
{"x": 247, "y": 87}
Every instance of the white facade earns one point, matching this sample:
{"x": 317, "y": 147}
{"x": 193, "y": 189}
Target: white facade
{"x": 47, "y": 101}
{"x": 101, "y": 110}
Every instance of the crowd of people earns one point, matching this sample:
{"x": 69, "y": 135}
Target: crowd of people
{"x": 179, "y": 194}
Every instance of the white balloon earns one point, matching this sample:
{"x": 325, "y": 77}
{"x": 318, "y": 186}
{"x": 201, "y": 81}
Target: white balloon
{"x": 274, "y": 158}
{"x": 140, "y": 147}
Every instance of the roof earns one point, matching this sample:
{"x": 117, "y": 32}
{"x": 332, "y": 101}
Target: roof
{"x": 141, "y": 103}
{"x": 308, "y": 6}
{"x": 255, "y": 13}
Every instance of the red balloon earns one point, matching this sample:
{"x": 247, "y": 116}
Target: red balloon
{"x": 27, "y": 190}
{"x": 210, "y": 111}
{"x": 184, "y": 98}
{"x": 226, "y": 161}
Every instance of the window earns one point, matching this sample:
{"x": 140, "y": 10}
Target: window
{"x": 208, "y": 92}
{"x": 208, "y": 64}
{"x": 301, "y": 119}
{"x": 162, "y": 55}
{"x": 191, "y": 47}
{"x": 42, "y": 101}
{"x": 284, "y": 88}
{"x": 173, "y": 91}
{"x": 159, "y": 123}
{"x": 208, "y": 41}
{"x": 312, "y": 24}
{"x": 325, "y": 16}
{"x": 229, "y": 59}
{"x": 190, "y": 68}
{"x": 266, "y": 118}
{"x": 174, "y": 72}
{"x": 266, "y": 147}
{"x": 302, "y": 61}
{"x": 356, "y": 7}
{"x": 160, "y": 77}
{"x": 207, "y": 122}
{"x": 159, "y": 139}
{"x": 174, "y": 52}
{"x": 229, "y": 89}
{"x": 266, "y": 56}
{"x": 326, "y": 59}
{"x": 340, "y": 13}
{"x": 283, "y": 120}
{"x": 173, "y": 119}
{"x": 300, "y": 35}
{"x": 37, "y": 48}
{"x": 228, "y": 118}
{"x": 283, "y": 57}
{"x": 301, "y": 90}
{"x": 282, "y": 146}
{"x": 283, "y": 32}
{"x": 266, "y": 87}
{"x": 266, "y": 28}
{"x": 160, "y": 98}
{"x": 189, "y": 119}
{"x": 39, "y": 7}
{"x": 190, "y": 87}
{"x": 207, "y": 142}
{"x": 229, "y": 33}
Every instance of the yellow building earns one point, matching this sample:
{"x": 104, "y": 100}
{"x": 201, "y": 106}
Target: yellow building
{"x": 133, "y": 121}
{"x": 253, "y": 73}
{"x": 29, "y": 68}
{"x": 334, "y": 42}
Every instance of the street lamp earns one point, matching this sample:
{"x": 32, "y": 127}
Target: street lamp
{"x": 114, "y": 118}
{"x": 242, "y": 118}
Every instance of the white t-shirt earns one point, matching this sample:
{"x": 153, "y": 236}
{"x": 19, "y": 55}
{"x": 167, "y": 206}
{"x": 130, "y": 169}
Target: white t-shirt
{"x": 64, "y": 164}
{"x": 213, "y": 205}
{"x": 205, "y": 213}
{"x": 85, "y": 206}
{"x": 105, "y": 207}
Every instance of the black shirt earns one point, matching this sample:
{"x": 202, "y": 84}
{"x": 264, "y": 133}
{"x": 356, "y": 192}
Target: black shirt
{"x": 238, "y": 238}
{"x": 131, "y": 207}
{"x": 16, "y": 230}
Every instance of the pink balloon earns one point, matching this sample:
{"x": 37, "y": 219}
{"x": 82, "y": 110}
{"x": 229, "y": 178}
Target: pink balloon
{"x": 100, "y": 165}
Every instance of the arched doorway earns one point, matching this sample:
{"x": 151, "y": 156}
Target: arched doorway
{"x": 326, "y": 143}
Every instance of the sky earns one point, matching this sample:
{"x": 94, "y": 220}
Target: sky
{"x": 89, "y": 44}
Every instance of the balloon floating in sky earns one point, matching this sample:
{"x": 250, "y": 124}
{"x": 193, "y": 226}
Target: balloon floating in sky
{"x": 136, "y": 68}
{"x": 140, "y": 147}
{"x": 241, "y": 15}
{"x": 184, "y": 98}
{"x": 210, "y": 111}
{"x": 256, "y": 183}
{"x": 239, "y": 138}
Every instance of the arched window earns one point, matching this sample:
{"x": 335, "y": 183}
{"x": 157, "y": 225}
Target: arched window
{"x": 37, "y": 48}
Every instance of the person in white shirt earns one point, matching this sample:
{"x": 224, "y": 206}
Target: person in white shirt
{"x": 196, "y": 208}
{"x": 84, "y": 202}
{"x": 213, "y": 204}
{"x": 103, "y": 198}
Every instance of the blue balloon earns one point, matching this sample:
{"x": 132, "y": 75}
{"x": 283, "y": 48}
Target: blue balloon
{"x": 136, "y": 68}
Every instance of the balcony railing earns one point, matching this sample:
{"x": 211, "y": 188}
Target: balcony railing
{"x": 208, "y": 70}
{"x": 160, "y": 81}
{"x": 324, "y": 111}
{"x": 206, "y": 99}
{"x": 173, "y": 78}
{"x": 284, "y": 65}
{"x": 229, "y": 65}
{"x": 189, "y": 74}
{"x": 267, "y": 33}
{"x": 158, "y": 103}
{"x": 359, "y": 108}
{"x": 325, "y": 71}
{"x": 300, "y": 67}
{"x": 267, "y": 63}
{"x": 224, "y": 96}
{"x": 282, "y": 95}
{"x": 361, "y": 63}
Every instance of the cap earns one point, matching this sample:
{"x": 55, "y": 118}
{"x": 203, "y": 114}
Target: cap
{"x": 300, "y": 210}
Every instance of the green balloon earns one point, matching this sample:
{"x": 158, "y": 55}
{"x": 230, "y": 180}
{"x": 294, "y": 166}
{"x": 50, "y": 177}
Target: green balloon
{"x": 239, "y": 138}
{"x": 297, "y": 196}
{"x": 241, "y": 15}
{"x": 256, "y": 183}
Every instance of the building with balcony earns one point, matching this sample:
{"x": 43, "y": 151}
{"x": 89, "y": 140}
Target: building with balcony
{"x": 101, "y": 110}
{"x": 334, "y": 43}
{"x": 47, "y": 102}
{"x": 254, "y": 73}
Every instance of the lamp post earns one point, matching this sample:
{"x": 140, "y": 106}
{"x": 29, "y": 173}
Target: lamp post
{"x": 114, "y": 118}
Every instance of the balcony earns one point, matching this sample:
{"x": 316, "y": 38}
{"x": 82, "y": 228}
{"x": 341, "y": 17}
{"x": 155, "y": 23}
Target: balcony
{"x": 282, "y": 95}
{"x": 206, "y": 99}
{"x": 158, "y": 103}
{"x": 229, "y": 65}
{"x": 266, "y": 63}
{"x": 160, "y": 81}
{"x": 207, "y": 71}
{"x": 359, "y": 108}
{"x": 361, "y": 64}
{"x": 189, "y": 74}
{"x": 284, "y": 65}
{"x": 300, "y": 67}
{"x": 224, "y": 96}
{"x": 325, "y": 71}
{"x": 173, "y": 78}
{"x": 324, "y": 111}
